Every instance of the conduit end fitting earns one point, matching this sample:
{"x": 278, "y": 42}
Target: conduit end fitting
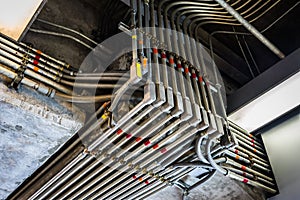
{"x": 122, "y": 161}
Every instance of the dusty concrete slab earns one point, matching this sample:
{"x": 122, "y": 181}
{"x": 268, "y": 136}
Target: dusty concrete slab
{"x": 32, "y": 128}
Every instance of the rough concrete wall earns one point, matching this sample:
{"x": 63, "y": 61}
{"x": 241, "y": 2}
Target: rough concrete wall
{"x": 32, "y": 128}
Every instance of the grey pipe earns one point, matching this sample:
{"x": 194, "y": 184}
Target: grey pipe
{"x": 155, "y": 169}
{"x": 61, "y": 35}
{"x": 251, "y": 29}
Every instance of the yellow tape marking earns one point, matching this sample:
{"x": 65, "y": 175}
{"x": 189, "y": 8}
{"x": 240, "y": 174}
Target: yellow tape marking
{"x": 139, "y": 70}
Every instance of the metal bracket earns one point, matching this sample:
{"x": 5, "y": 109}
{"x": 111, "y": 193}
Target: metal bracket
{"x": 20, "y": 73}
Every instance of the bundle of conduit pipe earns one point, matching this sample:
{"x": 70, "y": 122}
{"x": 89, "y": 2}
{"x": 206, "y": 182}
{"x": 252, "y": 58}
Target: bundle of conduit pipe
{"x": 179, "y": 125}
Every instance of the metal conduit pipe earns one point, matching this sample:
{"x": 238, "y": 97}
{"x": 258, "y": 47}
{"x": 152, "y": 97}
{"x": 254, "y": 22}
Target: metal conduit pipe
{"x": 33, "y": 53}
{"x": 94, "y": 118}
{"x": 29, "y": 83}
{"x": 28, "y": 63}
{"x": 104, "y": 74}
{"x": 83, "y": 99}
{"x": 208, "y": 94}
{"x": 124, "y": 129}
{"x": 159, "y": 165}
{"x": 90, "y": 85}
{"x": 93, "y": 178}
{"x": 99, "y": 161}
{"x": 187, "y": 41}
{"x": 249, "y": 143}
{"x": 7, "y": 62}
{"x": 61, "y": 35}
{"x": 73, "y": 182}
{"x": 194, "y": 164}
{"x": 250, "y": 182}
{"x": 67, "y": 29}
{"x": 33, "y": 60}
{"x": 53, "y": 75}
{"x": 164, "y": 175}
{"x": 198, "y": 99}
{"x": 220, "y": 128}
{"x": 200, "y": 12}
{"x": 70, "y": 147}
{"x": 251, "y": 29}
{"x": 239, "y": 148}
{"x": 210, "y": 158}
{"x": 246, "y": 161}
{"x": 65, "y": 173}
{"x": 251, "y": 148}
{"x": 180, "y": 173}
{"x": 198, "y": 148}
{"x": 249, "y": 176}
{"x": 132, "y": 163}
{"x": 161, "y": 94}
{"x": 143, "y": 175}
{"x": 124, "y": 176}
{"x": 190, "y": 57}
{"x": 95, "y": 78}
{"x": 233, "y": 24}
{"x": 245, "y": 137}
{"x": 149, "y": 97}
{"x": 263, "y": 30}
{"x": 239, "y": 153}
{"x": 242, "y": 131}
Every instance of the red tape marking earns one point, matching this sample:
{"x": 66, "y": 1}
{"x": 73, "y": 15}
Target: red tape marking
{"x": 134, "y": 177}
{"x": 155, "y": 146}
{"x": 236, "y": 151}
{"x": 179, "y": 66}
{"x": 244, "y": 168}
{"x": 171, "y": 61}
{"x": 245, "y": 180}
{"x": 138, "y": 139}
{"x": 147, "y": 182}
{"x": 155, "y": 50}
{"x": 37, "y": 58}
{"x": 194, "y": 75}
{"x": 163, "y": 55}
{"x": 128, "y": 136}
{"x": 147, "y": 143}
{"x": 164, "y": 150}
{"x": 119, "y": 132}
{"x": 186, "y": 70}
{"x": 35, "y": 62}
{"x": 200, "y": 79}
